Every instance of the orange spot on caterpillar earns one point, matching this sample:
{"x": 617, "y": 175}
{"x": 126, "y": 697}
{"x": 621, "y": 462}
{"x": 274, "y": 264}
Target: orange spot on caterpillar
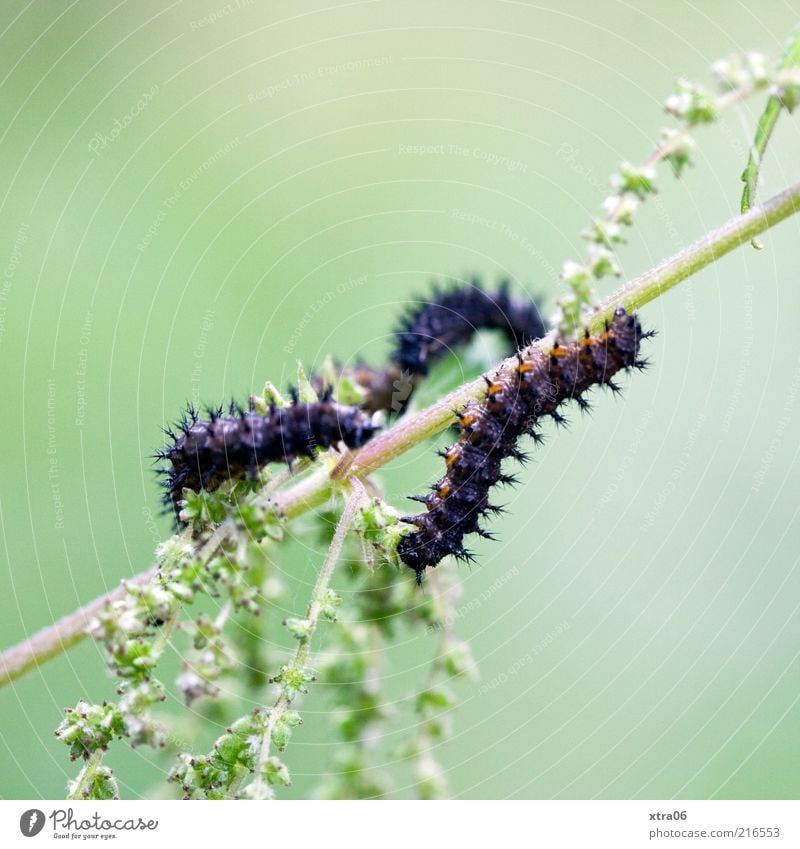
{"x": 491, "y": 429}
{"x": 451, "y": 458}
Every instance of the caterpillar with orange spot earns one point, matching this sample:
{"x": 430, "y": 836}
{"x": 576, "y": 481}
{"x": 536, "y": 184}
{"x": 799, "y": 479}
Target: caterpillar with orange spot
{"x": 515, "y": 401}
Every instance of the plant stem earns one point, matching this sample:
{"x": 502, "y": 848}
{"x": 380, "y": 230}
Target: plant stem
{"x": 654, "y": 283}
{"x": 57, "y": 638}
{"x": 165, "y": 632}
{"x": 317, "y": 487}
{"x": 645, "y": 288}
{"x": 86, "y": 773}
{"x": 357, "y": 495}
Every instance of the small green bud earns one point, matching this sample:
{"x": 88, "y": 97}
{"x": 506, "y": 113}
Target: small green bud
{"x": 100, "y": 785}
{"x": 276, "y": 772}
{"x": 622, "y": 207}
{"x": 203, "y": 507}
{"x": 457, "y": 660}
{"x": 273, "y": 398}
{"x": 231, "y": 748}
{"x": 284, "y": 725}
{"x": 293, "y": 680}
{"x": 170, "y": 552}
{"x": 680, "y": 148}
{"x": 88, "y": 727}
{"x": 258, "y": 791}
{"x": 330, "y": 602}
{"x": 692, "y": 104}
{"x": 434, "y": 700}
{"x": 739, "y": 72}
{"x": 568, "y": 312}
{"x": 602, "y": 262}
{"x": 606, "y": 233}
{"x": 430, "y": 778}
{"x": 636, "y": 180}
{"x": 576, "y": 275}
{"x": 305, "y": 390}
{"x": 349, "y": 392}
{"x": 300, "y": 629}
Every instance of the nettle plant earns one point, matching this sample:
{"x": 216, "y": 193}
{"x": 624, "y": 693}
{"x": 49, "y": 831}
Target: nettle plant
{"x": 234, "y": 496}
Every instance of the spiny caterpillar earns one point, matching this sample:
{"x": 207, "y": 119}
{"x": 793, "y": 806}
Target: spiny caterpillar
{"x": 515, "y": 401}
{"x": 204, "y": 453}
{"x": 450, "y": 319}
{"x": 432, "y": 329}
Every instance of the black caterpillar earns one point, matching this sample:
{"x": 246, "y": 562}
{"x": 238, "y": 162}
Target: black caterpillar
{"x": 451, "y": 318}
{"x": 204, "y": 453}
{"x": 515, "y": 401}
{"x": 429, "y": 331}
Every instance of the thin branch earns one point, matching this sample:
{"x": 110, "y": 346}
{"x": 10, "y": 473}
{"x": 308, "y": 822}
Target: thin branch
{"x": 282, "y": 704}
{"x": 633, "y": 295}
{"x": 84, "y": 779}
{"x": 57, "y": 638}
{"x": 654, "y": 283}
{"x": 317, "y": 487}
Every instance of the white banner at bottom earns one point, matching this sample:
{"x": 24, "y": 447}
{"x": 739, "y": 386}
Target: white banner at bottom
{"x": 551, "y": 824}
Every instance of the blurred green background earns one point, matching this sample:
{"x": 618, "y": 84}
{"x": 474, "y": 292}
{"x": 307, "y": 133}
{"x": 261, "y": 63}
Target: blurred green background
{"x": 195, "y": 195}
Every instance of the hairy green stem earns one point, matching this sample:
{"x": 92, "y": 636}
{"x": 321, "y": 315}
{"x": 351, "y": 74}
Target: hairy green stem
{"x": 687, "y": 262}
{"x": 318, "y": 486}
{"x": 85, "y": 776}
{"x": 165, "y": 632}
{"x": 645, "y": 288}
{"x": 356, "y": 496}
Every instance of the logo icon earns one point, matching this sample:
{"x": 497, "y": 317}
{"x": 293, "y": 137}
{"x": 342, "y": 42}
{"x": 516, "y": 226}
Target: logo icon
{"x": 403, "y": 387}
{"x": 31, "y": 822}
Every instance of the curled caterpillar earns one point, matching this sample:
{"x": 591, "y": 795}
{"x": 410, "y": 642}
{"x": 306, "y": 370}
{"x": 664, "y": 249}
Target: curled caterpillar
{"x": 451, "y": 318}
{"x": 430, "y": 330}
{"x": 203, "y": 453}
{"x": 515, "y": 401}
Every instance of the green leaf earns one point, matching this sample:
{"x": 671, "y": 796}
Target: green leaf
{"x": 766, "y": 124}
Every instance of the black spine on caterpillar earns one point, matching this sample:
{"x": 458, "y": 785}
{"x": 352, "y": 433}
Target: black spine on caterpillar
{"x": 203, "y": 453}
{"x": 451, "y": 318}
{"x": 490, "y": 429}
